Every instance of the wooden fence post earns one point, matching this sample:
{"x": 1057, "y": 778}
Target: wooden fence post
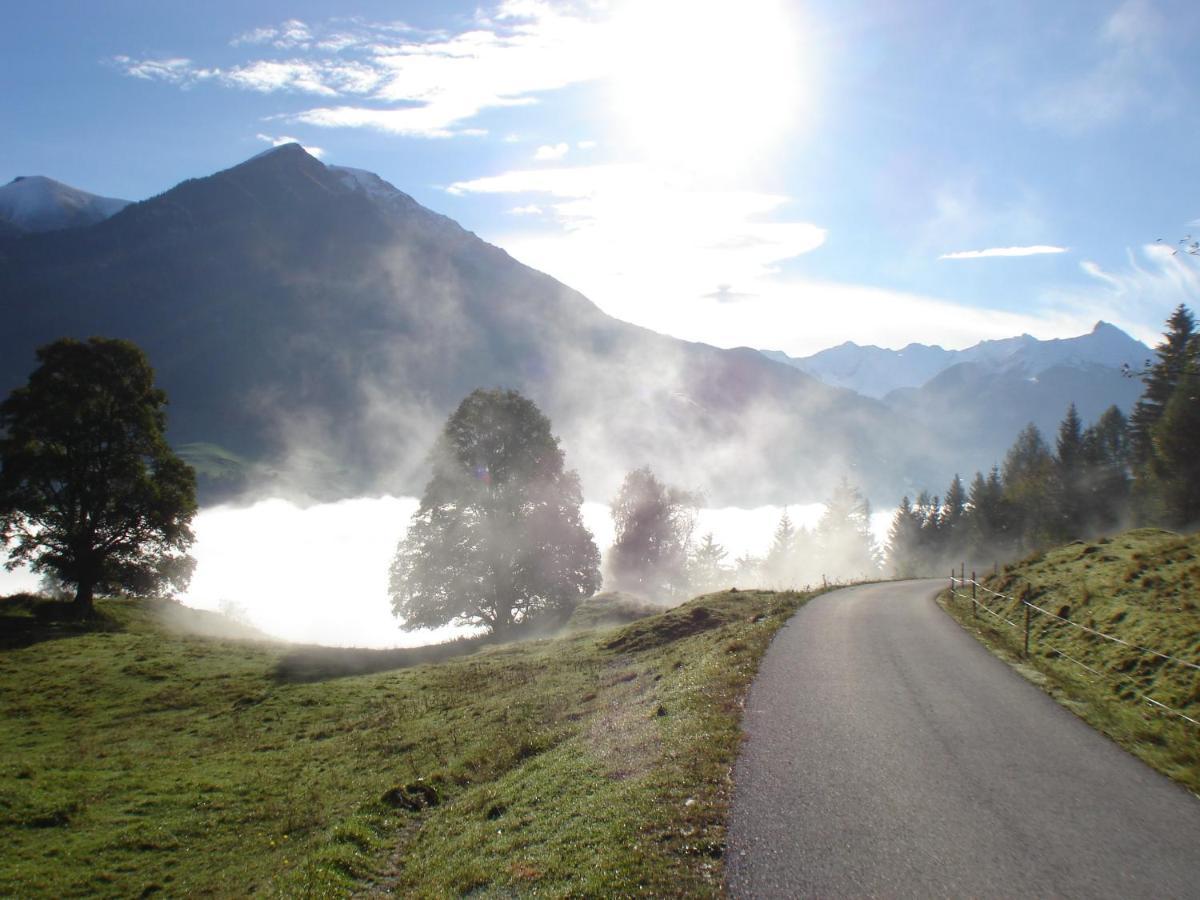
{"x": 1025, "y": 603}
{"x": 974, "y": 603}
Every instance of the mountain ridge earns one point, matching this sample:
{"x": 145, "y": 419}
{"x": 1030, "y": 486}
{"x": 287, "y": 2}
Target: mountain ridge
{"x": 876, "y": 371}
{"x": 320, "y": 321}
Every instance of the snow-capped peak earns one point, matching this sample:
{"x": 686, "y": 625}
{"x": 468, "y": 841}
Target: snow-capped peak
{"x": 35, "y": 203}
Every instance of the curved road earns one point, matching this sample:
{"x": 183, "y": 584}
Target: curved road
{"x": 889, "y": 754}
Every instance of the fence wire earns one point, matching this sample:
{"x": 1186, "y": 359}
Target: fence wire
{"x": 963, "y": 581}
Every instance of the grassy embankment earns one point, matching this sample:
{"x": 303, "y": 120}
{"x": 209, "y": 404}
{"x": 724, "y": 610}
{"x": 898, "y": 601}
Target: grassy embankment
{"x": 1141, "y": 586}
{"x": 135, "y": 759}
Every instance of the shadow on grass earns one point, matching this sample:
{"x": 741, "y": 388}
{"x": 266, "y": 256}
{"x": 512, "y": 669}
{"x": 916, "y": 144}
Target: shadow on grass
{"x": 26, "y": 619}
{"x": 315, "y": 663}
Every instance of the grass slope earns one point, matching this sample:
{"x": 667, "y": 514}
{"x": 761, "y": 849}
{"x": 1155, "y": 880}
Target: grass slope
{"x": 1142, "y": 586}
{"x": 135, "y": 759}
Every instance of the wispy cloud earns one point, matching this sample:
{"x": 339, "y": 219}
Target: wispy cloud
{"x": 1035, "y": 250}
{"x": 551, "y": 152}
{"x": 280, "y": 140}
{"x": 172, "y": 70}
{"x": 1126, "y": 73}
{"x": 396, "y": 79}
{"x": 1137, "y": 296}
{"x": 530, "y": 209}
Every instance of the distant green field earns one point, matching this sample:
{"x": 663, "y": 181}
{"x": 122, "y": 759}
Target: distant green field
{"x": 136, "y": 760}
{"x": 1142, "y": 587}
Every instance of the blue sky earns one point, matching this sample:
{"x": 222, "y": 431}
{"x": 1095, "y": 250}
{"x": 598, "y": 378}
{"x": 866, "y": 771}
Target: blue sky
{"x": 776, "y": 173}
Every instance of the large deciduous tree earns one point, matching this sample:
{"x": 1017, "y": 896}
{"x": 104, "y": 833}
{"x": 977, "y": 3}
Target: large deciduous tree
{"x": 498, "y": 539}
{"x": 90, "y": 492}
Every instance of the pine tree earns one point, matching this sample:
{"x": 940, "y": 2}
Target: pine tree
{"x": 1029, "y": 486}
{"x": 1107, "y": 479}
{"x": 1176, "y": 454}
{"x": 707, "y": 570}
{"x": 843, "y": 535}
{"x": 1161, "y": 487}
{"x": 780, "y": 562}
{"x": 953, "y": 524}
{"x": 1070, "y": 495}
{"x": 904, "y": 542}
{"x": 991, "y": 527}
{"x": 1175, "y": 354}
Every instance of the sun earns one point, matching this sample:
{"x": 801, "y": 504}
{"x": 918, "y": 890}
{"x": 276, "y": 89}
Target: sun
{"x": 708, "y": 85}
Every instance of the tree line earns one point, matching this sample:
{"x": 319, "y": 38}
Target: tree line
{"x": 1144, "y": 470}
{"x": 91, "y": 494}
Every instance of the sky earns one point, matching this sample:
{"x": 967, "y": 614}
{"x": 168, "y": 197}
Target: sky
{"x": 786, "y": 174}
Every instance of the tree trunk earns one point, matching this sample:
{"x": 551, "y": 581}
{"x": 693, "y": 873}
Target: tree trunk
{"x": 83, "y": 607}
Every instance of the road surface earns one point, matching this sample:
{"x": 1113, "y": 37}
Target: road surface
{"x": 889, "y": 754}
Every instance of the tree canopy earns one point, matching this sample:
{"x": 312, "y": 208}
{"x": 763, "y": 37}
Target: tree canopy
{"x": 654, "y": 523}
{"x": 498, "y": 538}
{"x": 90, "y": 492}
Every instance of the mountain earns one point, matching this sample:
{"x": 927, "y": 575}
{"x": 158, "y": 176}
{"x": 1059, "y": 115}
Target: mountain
{"x": 33, "y": 204}
{"x": 876, "y": 372}
{"x": 313, "y": 326}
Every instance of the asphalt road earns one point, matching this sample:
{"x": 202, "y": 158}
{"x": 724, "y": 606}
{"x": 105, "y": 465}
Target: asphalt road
{"x": 888, "y": 754}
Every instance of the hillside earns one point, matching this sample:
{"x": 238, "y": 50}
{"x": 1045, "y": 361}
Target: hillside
{"x": 318, "y": 325}
{"x": 596, "y": 764}
{"x": 1140, "y": 587}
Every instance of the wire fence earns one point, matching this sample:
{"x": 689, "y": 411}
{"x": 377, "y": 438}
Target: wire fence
{"x": 961, "y": 581}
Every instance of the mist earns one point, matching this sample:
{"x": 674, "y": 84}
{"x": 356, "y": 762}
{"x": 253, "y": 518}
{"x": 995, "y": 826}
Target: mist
{"x": 318, "y": 573}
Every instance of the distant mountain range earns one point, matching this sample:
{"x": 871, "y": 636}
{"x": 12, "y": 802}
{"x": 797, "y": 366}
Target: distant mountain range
{"x": 313, "y": 326}
{"x": 979, "y": 398}
{"x": 34, "y": 204}
{"x": 876, "y": 372}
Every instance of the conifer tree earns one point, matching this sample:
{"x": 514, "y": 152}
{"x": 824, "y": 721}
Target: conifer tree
{"x": 1175, "y": 354}
{"x": 780, "y": 562}
{"x": 1029, "y": 480}
{"x": 707, "y": 570}
{"x": 1175, "y": 464}
{"x": 843, "y": 535}
{"x": 1070, "y": 488}
{"x": 904, "y": 542}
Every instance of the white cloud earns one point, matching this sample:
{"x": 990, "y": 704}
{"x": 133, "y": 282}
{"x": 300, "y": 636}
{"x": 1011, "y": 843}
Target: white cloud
{"x": 290, "y": 35}
{"x": 423, "y": 84}
{"x": 323, "y": 78}
{"x": 531, "y": 209}
{"x": 1035, "y": 250}
{"x": 280, "y": 140}
{"x": 1140, "y": 295}
{"x": 175, "y": 70}
{"x": 551, "y": 152}
{"x": 585, "y": 145}
{"x": 657, "y": 249}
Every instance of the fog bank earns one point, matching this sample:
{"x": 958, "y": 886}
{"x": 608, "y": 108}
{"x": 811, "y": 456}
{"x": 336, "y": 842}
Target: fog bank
{"x": 319, "y": 574}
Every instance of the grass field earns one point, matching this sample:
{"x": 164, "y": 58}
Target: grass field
{"x": 135, "y": 759}
{"x": 1143, "y": 587}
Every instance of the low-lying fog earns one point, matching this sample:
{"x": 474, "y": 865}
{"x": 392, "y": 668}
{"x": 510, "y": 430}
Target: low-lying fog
{"x": 318, "y": 574}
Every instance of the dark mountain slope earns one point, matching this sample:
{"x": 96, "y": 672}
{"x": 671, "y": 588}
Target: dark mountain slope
{"x": 322, "y": 323}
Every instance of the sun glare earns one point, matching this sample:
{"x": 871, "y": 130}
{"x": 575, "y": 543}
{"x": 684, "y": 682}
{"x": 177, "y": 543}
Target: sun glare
{"x": 707, "y": 85}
